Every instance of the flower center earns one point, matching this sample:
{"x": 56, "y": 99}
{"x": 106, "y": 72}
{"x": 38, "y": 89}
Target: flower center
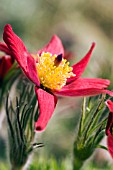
{"x": 53, "y": 71}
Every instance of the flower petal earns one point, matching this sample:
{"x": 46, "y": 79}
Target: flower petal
{"x": 54, "y": 46}
{"x": 16, "y": 46}
{"x": 5, "y": 64}
{"x": 110, "y": 144}
{"x": 20, "y": 53}
{"x": 47, "y": 103}
{"x": 4, "y": 48}
{"x": 109, "y": 104}
{"x": 109, "y": 123}
{"x": 31, "y": 71}
{"x": 85, "y": 87}
{"x": 79, "y": 68}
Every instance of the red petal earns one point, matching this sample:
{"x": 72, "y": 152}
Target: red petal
{"x": 54, "y": 46}
{"x": 5, "y": 65}
{"x": 32, "y": 72}
{"x": 47, "y": 103}
{"x": 4, "y": 48}
{"x": 110, "y": 144}
{"x": 109, "y": 103}
{"x": 20, "y": 53}
{"x": 79, "y": 68}
{"x": 16, "y": 46}
{"x": 85, "y": 87}
{"x": 109, "y": 123}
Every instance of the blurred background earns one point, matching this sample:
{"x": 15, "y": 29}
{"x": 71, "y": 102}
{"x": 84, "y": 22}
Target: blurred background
{"x": 78, "y": 24}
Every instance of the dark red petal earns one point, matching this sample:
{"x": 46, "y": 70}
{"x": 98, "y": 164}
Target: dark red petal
{"x": 5, "y": 65}
{"x": 4, "y": 48}
{"x": 16, "y": 46}
{"x": 85, "y": 87}
{"x": 109, "y": 123}
{"x": 110, "y": 144}
{"x": 79, "y": 68}
{"x": 20, "y": 53}
{"x": 54, "y": 46}
{"x": 109, "y": 104}
{"x": 47, "y": 103}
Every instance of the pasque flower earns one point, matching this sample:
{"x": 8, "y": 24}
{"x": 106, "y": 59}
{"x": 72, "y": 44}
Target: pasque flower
{"x": 109, "y": 127}
{"x": 52, "y": 75}
{"x": 6, "y": 60}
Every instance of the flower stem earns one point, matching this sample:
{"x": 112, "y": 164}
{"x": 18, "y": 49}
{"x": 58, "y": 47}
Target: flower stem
{"x": 77, "y": 163}
{"x": 82, "y": 117}
{"x": 16, "y": 168}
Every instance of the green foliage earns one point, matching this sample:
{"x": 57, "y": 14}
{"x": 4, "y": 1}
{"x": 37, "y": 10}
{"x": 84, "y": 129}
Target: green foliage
{"x": 78, "y": 23}
{"x": 91, "y": 130}
{"x": 51, "y": 164}
{"x": 65, "y": 164}
{"x": 4, "y": 166}
{"x": 20, "y": 119}
{"x": 8, "y": 81}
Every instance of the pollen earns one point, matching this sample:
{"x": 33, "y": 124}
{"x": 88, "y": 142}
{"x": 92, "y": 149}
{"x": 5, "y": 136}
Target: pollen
{"x": 53, "y": 76}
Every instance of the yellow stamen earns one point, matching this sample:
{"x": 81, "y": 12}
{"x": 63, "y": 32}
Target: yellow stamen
{"x": 52, "y": 76}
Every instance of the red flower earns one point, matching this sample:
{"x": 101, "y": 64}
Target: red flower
{"x": 6, "y": 61}
{"x": 52, "y": 75}
{"x": 109, "y": 127}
